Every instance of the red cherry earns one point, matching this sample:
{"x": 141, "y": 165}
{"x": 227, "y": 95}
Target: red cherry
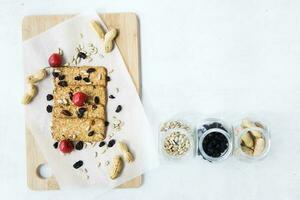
{"x": 79, "y": 98}
{"x": 66, "y": 146}
{"x": 55, "y": 60}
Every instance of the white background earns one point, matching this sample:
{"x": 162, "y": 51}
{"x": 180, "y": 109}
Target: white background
{"x": 209, "y": 56}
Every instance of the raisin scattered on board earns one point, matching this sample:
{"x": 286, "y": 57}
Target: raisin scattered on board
{"x": 81, "y": 55}
{"x": 91, "y": 133}
{"x": 86, "y": 79}
{"x": 101, "y": 144}
{"x": 96, "y": 100}
{"x": 66, "y": 112}
{"x": 108, "y": 78}
{"x": 111, "y": 143}
{"x": 49, "y": 97}
{"x": 61, "y": 77}
{"x": 78, "y": 164}
{"x": 55, "y": 145}
{"x": 63, "y": 83}
{"x": 77, "y": 78}
{"x": 49, "y": 109}
{"x": 111, "y": 96}
{"x": 106, "y": 123}
{"x": 91, "y": 70}
{"x": 119, "y": 108}
{"x": 55, "y": 74}
{"x": 79, "y": 145}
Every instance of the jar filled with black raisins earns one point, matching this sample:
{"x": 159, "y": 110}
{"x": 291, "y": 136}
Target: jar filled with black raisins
{"x": 215, "y": 140}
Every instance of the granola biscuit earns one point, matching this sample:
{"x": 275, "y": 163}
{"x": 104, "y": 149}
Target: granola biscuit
{"x": 88, "y": 111}
{"x": 84, "y": 75}
{"x": 63, "y": 95}
{"x": 86, "y": 130}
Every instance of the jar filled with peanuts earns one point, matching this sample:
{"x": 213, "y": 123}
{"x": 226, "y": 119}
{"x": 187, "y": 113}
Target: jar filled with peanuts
{"x": 252, "y": 139}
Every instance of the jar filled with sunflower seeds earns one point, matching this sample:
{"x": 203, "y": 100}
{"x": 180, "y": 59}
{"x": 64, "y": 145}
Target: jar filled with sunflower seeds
{"x": 176, "y": 139}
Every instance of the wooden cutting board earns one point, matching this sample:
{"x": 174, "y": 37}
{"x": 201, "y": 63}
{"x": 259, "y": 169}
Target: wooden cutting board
{"x": 128, "y": 43}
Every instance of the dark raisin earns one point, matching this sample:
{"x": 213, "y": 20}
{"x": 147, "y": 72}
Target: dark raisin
{"x": 79, "y": 115}
{"x": 91, "y": 70}
{"x": 55, "y": 145}
{"x": 49, "y": 97}
{"x": 213, "y": 125}
{"x": 81, "y": 112}
{"x": 63, "y": 83}
{"x": 55, "y": 74}
{"x": 119, "y": 108}
{"x": 91, "y": 133}
{"x": 66, "y": 112}
{"x": 82, "y": 55}
{"x": 79, "y": 145}
{"x": 93, "y": 122}
{"x": 206, "y": 126}
{"x": 94, "y": 107}
{"x": 108, "y": 78}
{"x": 106, "y": 123}
{"x": 71, "y": 95}
{"x": 49, "y": 109}
{"x": 78, "y": 164}
{"x": 111, "y": 143}
{"x": 86, "y": 79}
{"x": 96, "y": 100}
{"x": 111, "y": 96}
{"x": 214, "y": 144}
{"x": 102, "y": 144}
{"x": 61, "y": 77}
{"x": 77, "y": 78}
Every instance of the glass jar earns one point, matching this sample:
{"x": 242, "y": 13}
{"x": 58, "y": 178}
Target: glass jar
{"x": 176, "y": 140}
{"x": 215, "y": 140}
{"x": 252, "y": 140}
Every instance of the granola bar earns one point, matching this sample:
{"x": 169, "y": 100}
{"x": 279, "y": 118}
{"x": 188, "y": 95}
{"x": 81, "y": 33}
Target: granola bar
{"x": 84, "y": 75}
{"x": 89, "y": 111}
{"x": 90, "y": 130}
{"x": 63, "y": 95}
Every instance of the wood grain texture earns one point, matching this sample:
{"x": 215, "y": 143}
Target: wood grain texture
{"x": 128, "y": 43}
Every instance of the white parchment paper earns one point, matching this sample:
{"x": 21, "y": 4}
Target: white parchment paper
{"x": 136, "y": 131}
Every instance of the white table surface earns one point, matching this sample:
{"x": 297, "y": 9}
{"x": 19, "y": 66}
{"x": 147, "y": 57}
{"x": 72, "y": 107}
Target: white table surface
{"x": 207, "y": 56}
